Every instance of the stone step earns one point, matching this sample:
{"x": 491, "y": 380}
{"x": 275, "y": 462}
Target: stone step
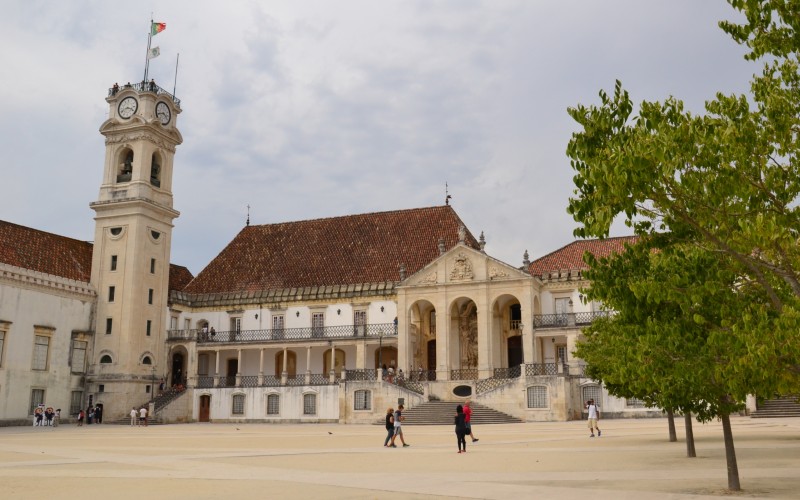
{"x": 443, "y": 412}
{"x": 786, "y": 406}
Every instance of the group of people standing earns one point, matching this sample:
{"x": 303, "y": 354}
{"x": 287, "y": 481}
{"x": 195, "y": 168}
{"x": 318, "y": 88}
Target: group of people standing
{"x": 139, "y": 417}
{"x": 92, "y": 415}
{"x": 394, "y": 427}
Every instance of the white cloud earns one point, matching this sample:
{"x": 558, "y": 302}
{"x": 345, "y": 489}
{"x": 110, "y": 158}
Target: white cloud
{"x": 317, "y": 108}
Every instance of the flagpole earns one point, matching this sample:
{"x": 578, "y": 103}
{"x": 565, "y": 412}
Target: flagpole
{"x": 147, "y": 54}
{"x": 175, "y": 85}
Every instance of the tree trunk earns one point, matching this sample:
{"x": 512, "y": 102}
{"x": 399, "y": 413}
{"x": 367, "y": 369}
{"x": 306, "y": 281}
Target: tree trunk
{"x": 730, "y": 454}
{"x": 687, "y": 418}
{"x": 673, "y": 436}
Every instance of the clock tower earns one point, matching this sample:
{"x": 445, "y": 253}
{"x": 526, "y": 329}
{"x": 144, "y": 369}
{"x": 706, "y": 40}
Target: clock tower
{"x": 131, "y": 255}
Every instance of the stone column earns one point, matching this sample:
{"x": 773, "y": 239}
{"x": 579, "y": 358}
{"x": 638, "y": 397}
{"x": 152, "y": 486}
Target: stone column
{"x": 361, "y": 355}
{"x": 308, "y": 365}
{"x": 261, "y": 367}
{"x": 332, "y": 373}
{"x": 443, "y": 327}
{"x": 238, "y": 368}
{"x": 284, "y": 370}
{"x": 216, "y": 367}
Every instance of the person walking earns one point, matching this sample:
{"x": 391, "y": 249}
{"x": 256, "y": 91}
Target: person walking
{"x": 57, "y": 417}
{"x": 389, "y": 427}
{"x": 398, "y": 427}
{"x": 134, "y": 416}
{"x": 461, "y": 429}
{"x": 468, "y": 419}
{"x": 81, "y": 417}
{"x": 594, "y": 416}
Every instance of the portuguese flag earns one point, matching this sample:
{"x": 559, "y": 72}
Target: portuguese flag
{"x": 157, "y": 28}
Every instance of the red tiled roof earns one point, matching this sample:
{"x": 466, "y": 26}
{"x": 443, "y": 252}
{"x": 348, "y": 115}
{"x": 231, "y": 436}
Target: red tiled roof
{"x": 45, "y": 252}
{"x": 179, "y": 277}
{"x": 366, "y": 248}
{"x": 571, "y": 256}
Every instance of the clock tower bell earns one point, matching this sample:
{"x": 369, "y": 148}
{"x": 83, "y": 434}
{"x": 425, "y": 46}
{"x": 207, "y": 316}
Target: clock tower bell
{"x": 131, "y": 255}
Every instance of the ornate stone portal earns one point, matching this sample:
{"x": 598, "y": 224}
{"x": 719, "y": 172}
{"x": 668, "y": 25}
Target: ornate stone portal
{"x": 462, "y": 270}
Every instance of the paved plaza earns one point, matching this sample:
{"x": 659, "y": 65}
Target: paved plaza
{"x": 633, "y": 459}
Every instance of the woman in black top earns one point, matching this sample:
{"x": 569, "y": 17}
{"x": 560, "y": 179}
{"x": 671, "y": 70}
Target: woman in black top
{"x": 389, "y": 426}
{"x": 461, "y": 429}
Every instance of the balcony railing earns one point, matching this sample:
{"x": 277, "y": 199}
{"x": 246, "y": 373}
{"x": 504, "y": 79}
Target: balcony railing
{"x": 567, "y": 320}
{"x": 374, "y": 331}
{"x": 464, "y": 374}
{"x": 144, "y": 87}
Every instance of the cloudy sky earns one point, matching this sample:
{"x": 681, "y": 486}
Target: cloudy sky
{"x": 310, "y": 109}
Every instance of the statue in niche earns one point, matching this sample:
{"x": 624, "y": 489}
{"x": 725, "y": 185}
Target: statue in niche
{"x": 468, "y": 335}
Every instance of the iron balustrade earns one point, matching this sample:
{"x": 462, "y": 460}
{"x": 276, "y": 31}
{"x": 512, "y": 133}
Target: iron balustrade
{"x": 513, "y": 372}
{"x": 320, "y": 379}
{"x": 368, "y": 374}
{"x": 422, "y": 375}
{"x": 205, "y": 382}
{"x": 271, "y": 381}
{"x": 563, "y": 320}
{"x": 226, "y": 381}
{"x": 299, "y": 380}
{"x": 144, "y": 86}
{"x": 249, "y": 381}
{"x": 464, "y": 374}
{"x": 341, "y": 332}
{"x": 534, "y": 369}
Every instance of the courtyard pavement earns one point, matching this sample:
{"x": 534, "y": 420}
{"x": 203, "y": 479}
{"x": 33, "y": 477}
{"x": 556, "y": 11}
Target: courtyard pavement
{"x": 553, "y": 460}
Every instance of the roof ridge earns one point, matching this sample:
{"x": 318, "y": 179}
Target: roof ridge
{"x": 584, "y": 240}
{"x": 385, "y": 212}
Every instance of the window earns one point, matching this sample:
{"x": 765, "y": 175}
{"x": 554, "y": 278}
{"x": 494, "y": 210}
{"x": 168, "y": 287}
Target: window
{"x": 41, "y": 350}
{"x": 238, "y": 404}
{"x": 106, "y": 359}
{"x": 562, "y": 308}
{"x": 317, "y": 324}
{"x": 109, "y": 325}
{"x": 363, "y": 400}
{"x": 116, "y": 231}
{"x": 75, "y": 402}
{"x": 634, "y": 403}
{"x": 111, "y": 293}
{"x": 37, "y": 398}
{"x": 277, "y": 322}
{"x": 147, "y": 389}
{"x": 101, "y": 388}
{"x": 79, "y": 356}
{"x": 173, "y": 323}
{"x": 309, "y": 404}
{"x": 149, "y": 326}
{"x": 537, "y": 396}
{"x": 113, "y": 262}
{"x": 359, "y": 323}
{"x": 236, "y": 324}
{"x": 147, "y": 361}
{"x": 187, "y": 323}
{"x": 561, "y": 354}
{"x": 152, "y": 266}
{"x": 591, "y": 392}
{"x": 273, "y": 404}
{"x": 150, "y": 296}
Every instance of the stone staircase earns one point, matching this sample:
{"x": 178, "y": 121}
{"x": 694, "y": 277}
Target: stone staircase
{"x": 160, "y": 402}
{"x": 443, "y": 412}
{"x": 784, "y": 406}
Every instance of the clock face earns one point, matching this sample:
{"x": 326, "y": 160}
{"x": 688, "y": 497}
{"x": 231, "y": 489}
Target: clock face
{"x": 127, "y": 107}
{"x": 163, "y": 113}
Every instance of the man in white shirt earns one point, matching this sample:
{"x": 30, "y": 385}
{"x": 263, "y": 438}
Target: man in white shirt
{"x": 143, "y": 416}
{"x": 594, "y": 416}
{"x": 134, "y": 414}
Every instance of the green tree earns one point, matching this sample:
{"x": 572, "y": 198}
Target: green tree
{"x": 719, "y": 189}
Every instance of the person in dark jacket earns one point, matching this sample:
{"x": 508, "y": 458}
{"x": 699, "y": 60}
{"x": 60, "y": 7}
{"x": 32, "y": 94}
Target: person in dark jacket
{"x": 389, "y": 426}
{"x": 461, "y": 429}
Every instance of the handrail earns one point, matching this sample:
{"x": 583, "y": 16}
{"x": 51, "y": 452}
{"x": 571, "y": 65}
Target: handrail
{"x": 373, "y": 331}
{"x": 143, "y": 86}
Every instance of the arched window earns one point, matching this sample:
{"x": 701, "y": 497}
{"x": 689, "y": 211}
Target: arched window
{"x": 147, "y": 361}
{"x": 273, "y": 404}
{"x": 106, "y": 360}
{"x": 309, "y": 404}
{"x": 155, "y": 171}
{"x": 238, "y": 404}
{"x": 362, "y": 400}
{"x": 537, "y": 396}
{"x": 125, "y": 166}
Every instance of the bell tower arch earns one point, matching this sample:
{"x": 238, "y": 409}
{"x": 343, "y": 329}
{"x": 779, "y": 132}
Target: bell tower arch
{"x": 133, "y": 234}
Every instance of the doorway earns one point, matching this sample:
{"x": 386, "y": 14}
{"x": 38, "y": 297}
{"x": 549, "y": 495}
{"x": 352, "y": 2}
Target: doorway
{"x": 514, "y": 351}
{"x": 431, "y": 357}
{"x": 177, "y": 369}
{"x": 230, "y": 375}
{"x": 205, "y": 408}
